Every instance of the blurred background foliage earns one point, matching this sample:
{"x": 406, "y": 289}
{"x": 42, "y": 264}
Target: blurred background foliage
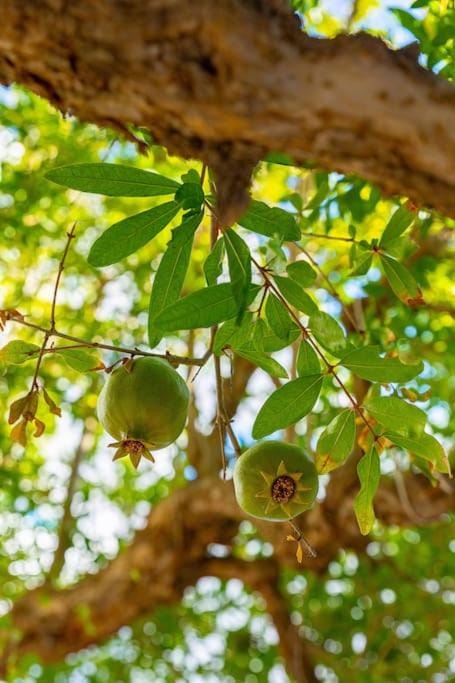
{"x": 383, "y": 616}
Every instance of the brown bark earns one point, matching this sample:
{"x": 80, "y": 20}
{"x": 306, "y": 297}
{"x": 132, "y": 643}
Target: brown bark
{"x": 229, "y": 81}
{"x": 171, "y": 553}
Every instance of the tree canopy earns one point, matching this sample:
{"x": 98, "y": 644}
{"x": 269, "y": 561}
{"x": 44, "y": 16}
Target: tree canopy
{"x": 291, "y": 256}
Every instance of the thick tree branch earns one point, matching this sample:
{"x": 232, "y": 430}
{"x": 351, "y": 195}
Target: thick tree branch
{"x": 172, "y": 552}
{"x": 229, "y": 81}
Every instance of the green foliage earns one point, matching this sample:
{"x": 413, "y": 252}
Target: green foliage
{"x": 381, "y": 261}
{"x": 336, "y": 442}
{"x": 287, "y": 405}
{"x": 369, "y": 474}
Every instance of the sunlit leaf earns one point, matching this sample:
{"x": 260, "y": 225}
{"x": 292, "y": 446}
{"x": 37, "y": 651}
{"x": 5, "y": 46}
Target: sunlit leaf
{"x": 82, "y": 360}
{"x": 213, "y": 265}
{"x": 267, "y": 220}
{"x": 295, "y": 295}
{"x": 170, "y": 276}
{"x": 423, "y": 445}
{"x": 308, "y": 362}
{"x": 401, "y": 281}
{"x": 369, "y": 475}
{"x": 396, "y": 415}
{"x": 399, "y": 222}
{"x": 114, "y": 180}
{"x": 239, "y": 260}
{"x": 336, "y": 442}
{"x": 278, "y": 318}
{"x": 204, "y": 308}
{"x": 367, "y": 363}
{"x": 328, "y": 332}
{"x": 287, "y": 405}
{"x": 132, "y": 233}
{"x": 264, "y": 362}
{"x": 302, "y": 272}
{"x": 17, "y": 352}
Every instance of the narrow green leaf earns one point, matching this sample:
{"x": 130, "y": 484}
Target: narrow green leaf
{"x": 424, "y": 446}
{"x": 129, "y": 235}
{"x": 264, "y": 362}
{"x": 397, "y": 415}
{"x": 264, "y": 339}
{"x": 302, "y": 272}
{"x": 328, "y": 332}
{"x": 295, "y": 295}
{"x": 170, "y": 276}
{"x": 17, "y": 352}
{"x": 362, "y": 261}
{"x": 233, "y": 335}
{"x": 269, "y": 221}
{"x": 239, "y": 260}
{"x": 369, "y": 474}
{"x": 401, "y": 281}
{"x": 81, "y": 360}
{"x": 307, "y": 360}
{"x": 367, "y": 363}
{"x": 213, "y": 265}
{"x": 278, "y": 318}
{"x": 399, "y": 222}
{"x": 287, "y": 405}
{"x": 113, "y": 180}
{"x": 336, "y": 442}
{"x": 204, "y": 308}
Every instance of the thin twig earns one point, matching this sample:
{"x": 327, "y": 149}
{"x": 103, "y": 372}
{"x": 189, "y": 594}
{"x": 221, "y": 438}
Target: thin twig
{"x": 315, "y": 235}
{"x": 308, "y": 337}
{"x": 84, "y": 343}
{"x": 332, "y": 289}
{"x": 61, "y": 266}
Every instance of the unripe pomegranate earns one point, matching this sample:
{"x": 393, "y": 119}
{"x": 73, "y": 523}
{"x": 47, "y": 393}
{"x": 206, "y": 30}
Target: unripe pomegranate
{"x": 144, "y": 406}
{"x": 275, "y": 481}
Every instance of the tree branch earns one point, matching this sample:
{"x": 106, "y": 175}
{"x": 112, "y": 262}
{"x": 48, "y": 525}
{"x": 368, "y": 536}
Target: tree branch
{"x": 173, "y": 549}
{"x": 206, "y": 78}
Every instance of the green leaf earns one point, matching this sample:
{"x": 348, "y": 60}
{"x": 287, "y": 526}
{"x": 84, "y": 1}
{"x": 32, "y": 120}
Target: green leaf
{"x": 363, "y": 261}
{"x": 367, "y": 363}
{"x": 190, "y": 195}
{"x": 396, "y": 414}
{"x": 17, "y": 352}
{"x": 232, "y": 335}
{"x": 302, "y": 272}
{"x": 278, "y": 318}
{"x": 307, "y": 360}
{"x": 287, "y": 405}
{"x": 81, "y": 360}
{"x": 170, "y": 276}
{"x": 270, "y": 221}
{"x": 264, "y": 339}
{"x": 336, "y": 442}
{"x": 113, "y": 180}
{"x": 204, "y": 308}
{"x": 424, "y": 446}
{"x": 264, "y": 362}
{"x": 239, "y": 260}
{"x": 401, "y": 281}
{"x": 328, "y": 332}
{"x": 213, "y": 265}
{"x": 369, "y": 474}
{"x": 129, "y": 235}
{"x": 399, "y": 222}
{"x": 295, "y": 295}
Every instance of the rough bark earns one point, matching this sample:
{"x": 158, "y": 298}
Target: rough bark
{"x": 173, "y": 552}
{"x": 229, "y": 81}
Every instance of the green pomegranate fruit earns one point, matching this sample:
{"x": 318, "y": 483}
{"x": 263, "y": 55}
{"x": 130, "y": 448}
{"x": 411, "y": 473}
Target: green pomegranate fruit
{"x": 275, "y": 481}
{"x": 143, "y": 405}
